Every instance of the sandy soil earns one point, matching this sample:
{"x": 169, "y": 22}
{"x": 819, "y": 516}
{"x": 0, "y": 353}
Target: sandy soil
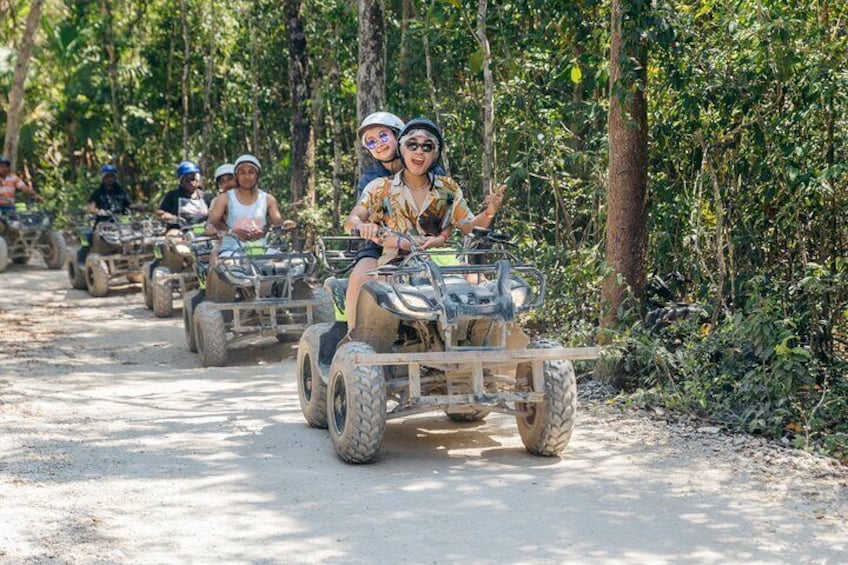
{"x": 117, "y": 447}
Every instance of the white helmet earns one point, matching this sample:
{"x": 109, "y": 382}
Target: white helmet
{"x": 380, "y": 119}
{"x": 247, "y": 158}
{"x": 225, "y": 169}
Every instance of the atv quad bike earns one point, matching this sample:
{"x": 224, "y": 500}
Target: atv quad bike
{"x": 24, "y": 233}
{"x": 116, "y": 247}
{"x": 171, "y": 273}
{"x": 428, "y": 339}
{"x": 259, "y": 291}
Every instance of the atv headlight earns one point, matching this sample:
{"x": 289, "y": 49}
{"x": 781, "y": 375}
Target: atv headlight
{"x": 183, "y": 249}
{"x": 519, "y": 295}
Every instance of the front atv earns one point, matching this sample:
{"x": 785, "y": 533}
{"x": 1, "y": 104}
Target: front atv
{"x": 439, "y": 337}
{"x": 259, "y": 291}
{"x": 115, "y": 248}
{"x": 25, "y": 233}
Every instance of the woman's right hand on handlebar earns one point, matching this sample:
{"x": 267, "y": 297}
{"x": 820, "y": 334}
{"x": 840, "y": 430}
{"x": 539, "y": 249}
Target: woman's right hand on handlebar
{"x": 367, "y": 230}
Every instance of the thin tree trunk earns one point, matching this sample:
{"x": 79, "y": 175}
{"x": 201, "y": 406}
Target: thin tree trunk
{"x": 626, "y": 230}
{"x": 404, "y": 41}
{"x": 301, "y": 127}
{"x": 337, "y": 170}
{"x": 184, "y": 76}
{"x": 109, "y": 41}
{"x": 15, "y": 113}
{"x": 371, "y": 72}
{"x": 207, "y": 91}
{"x": 254, "y": 88}
{"x": 488, "y": 168}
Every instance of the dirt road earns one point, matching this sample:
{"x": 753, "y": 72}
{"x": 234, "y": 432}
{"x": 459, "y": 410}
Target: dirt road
{"x": 117, "y": 447}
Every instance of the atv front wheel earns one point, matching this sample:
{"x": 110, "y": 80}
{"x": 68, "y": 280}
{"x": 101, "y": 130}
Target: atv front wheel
{"x": 356, "y": 405}
{"x": 311, "y": 388}
{"x": 545, "y": 427}
{"x": 190, "y": 301}
{"x": 161, "y": 293}
{"x": 4, "y": 254}
{"x": 54, "y": 249}
{"x": 146, "y": 285}
{"x": 96, "y": 275}
{"x": 76, "y": 275}
{"x": 211, "y": 335}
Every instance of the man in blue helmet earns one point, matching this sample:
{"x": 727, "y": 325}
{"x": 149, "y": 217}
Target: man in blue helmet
{"x": 109, "y": 196}
{"x": 187, "y": 202}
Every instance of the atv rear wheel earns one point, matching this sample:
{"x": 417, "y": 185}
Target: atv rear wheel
{"x": 311, "y": 388}
{"x": 4, "y": 254}
{"x": 76, "y": 275}
{"x": 54, "y": 249}
{"x": 190, "y": 302}
{"x": 356, "y": 405}
{"x": 161, "y": 293}
{"x": 96, "y": 275}
{"x": 211, "y": 335}
{"x": 546, "y": 426}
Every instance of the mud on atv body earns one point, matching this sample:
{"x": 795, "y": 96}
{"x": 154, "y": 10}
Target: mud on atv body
{"x": 254, "y": 293}
{"x": 115, "y": 248}
{"x": 24, "y": 233}
{"x": 428, "y": 339}
{"x": 171, "y": 274}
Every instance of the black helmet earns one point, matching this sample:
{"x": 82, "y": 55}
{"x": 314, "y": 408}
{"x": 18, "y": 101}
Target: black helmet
{"x": 5, "y": 160}
{"x": 429, "y": 126}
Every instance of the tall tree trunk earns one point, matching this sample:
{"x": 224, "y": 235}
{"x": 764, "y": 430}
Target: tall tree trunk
{"x": 626, "y": 230}
{"x": 434, "y": 99}
{"x": 404, "y": 42}
{"x": 184, "y": 76}
{"x": 254, "y": 84}
{"x": 488, "y": 100}
{"x": 301, "y": 127}
{"x": 205, "y": 164}
{"x": 112, "y": 58}
{"x": 15, "y": 113}
{"x": 371, "y": 73}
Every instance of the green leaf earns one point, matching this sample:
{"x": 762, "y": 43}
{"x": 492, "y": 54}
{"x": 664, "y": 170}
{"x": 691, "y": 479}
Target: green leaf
{"x": 475, "y": 61}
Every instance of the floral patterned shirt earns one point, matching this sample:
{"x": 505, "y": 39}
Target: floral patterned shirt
{"x": 390, "y": 203}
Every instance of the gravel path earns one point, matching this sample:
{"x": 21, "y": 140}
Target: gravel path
{"x": 117, "y": 447}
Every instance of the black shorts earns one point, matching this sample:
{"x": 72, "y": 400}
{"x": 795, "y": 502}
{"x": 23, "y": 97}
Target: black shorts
{"x": 369, "y": 250}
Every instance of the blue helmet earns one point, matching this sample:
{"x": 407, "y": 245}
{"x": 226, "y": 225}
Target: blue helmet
{"x": 187, "y": 168}
{"x": 108, "y": 169}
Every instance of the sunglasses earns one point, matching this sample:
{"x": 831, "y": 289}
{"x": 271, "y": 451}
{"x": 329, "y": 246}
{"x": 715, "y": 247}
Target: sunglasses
{"x": 371, "y": 144}
{"x": 426, "y": 147}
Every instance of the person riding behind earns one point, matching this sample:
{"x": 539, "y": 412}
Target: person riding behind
{"x": 109, "y": 197}
{"x": 187, "y": 202}
{"x": 225, "y": 177}
{"x": 10, "y": 184}
{"x": 416, "y": 201}
{"x": 245, "y": 211}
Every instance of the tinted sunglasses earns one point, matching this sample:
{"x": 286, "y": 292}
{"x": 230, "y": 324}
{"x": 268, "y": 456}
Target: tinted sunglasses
{"x": 426, "y": 147}
{"x": 371, "y": 144}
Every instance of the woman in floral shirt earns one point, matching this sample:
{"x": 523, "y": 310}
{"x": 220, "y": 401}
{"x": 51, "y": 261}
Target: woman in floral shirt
{"x": 415, "y": 201}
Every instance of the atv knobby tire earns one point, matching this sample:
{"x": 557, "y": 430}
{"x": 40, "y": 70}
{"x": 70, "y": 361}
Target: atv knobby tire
{"x": 323, "y": 312}
{"x": 356, "y": 405}
{"x": 146, "y": 285}
{"x": 546, "y": 428}
{"x": 55, "y": 250}
{"x": 211, "y": 335}
{"x": 311, "y": 388}
{"x": 161, "y": 292}
{"x": 96, "y": 275}
{"x": 76, "y": 275}
{"x": 188, "y": 319}
{"x": 4, "y": 254}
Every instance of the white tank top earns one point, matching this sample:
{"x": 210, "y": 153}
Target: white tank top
{"x": 244, "y": 216}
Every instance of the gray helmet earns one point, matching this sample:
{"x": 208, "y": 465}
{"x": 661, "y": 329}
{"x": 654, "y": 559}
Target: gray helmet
{"x": 247, "y": 158}
{"x": 380, "y": 119}
{"x": 225, "y": 169}
{"x": 5, "y": 160}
